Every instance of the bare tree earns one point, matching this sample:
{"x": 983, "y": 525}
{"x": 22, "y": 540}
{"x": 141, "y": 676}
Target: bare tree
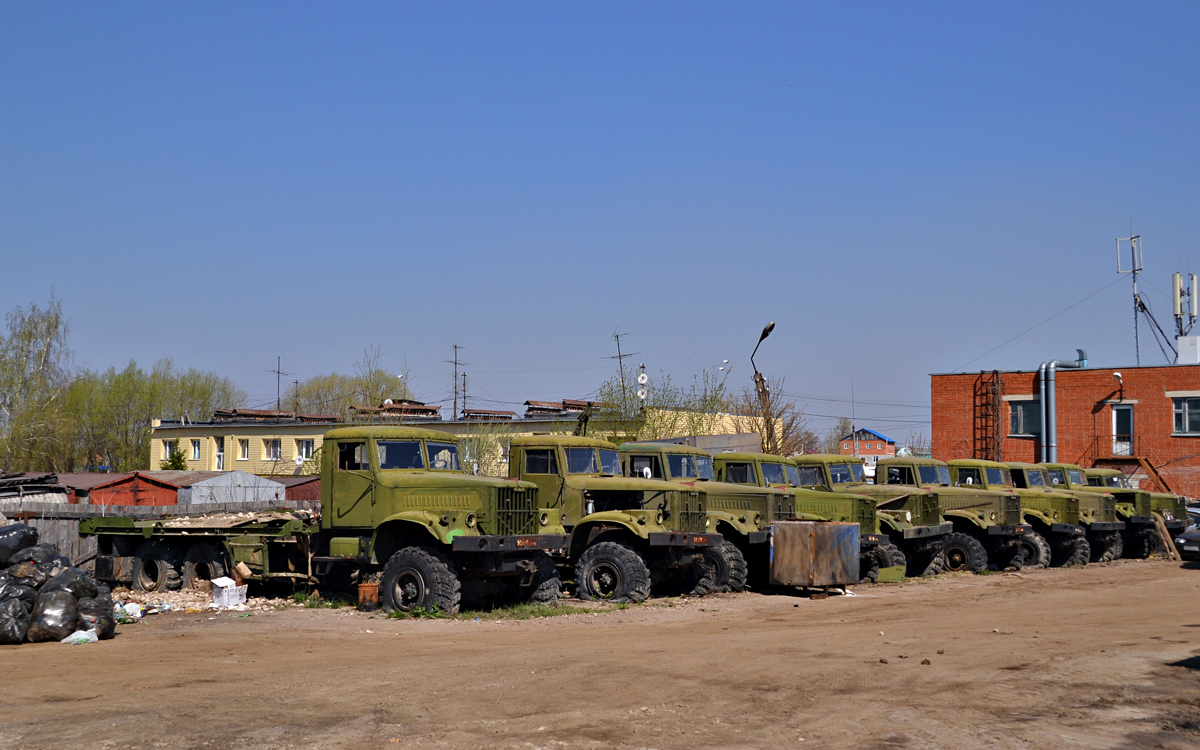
{"x": 832, "y": 442}
{"x": 791, "y": 432}
{"x": 335, "y": 393}
{"x": 35, "y": 373}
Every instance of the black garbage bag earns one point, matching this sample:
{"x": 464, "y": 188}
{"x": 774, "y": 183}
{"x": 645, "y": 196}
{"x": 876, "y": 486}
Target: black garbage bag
{"x": 29, "y": 574}
{"x": 14, "y": 590}
{"x": 54, "y": 616}
{"x": 14, "y": 621}
{"x": 80, "y": 584}
{"x": 14, "y": 538}
{"x": 96, "y": 613}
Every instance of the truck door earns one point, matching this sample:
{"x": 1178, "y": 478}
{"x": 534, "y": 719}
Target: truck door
{"x": 540, "y": 466}
{"x": 353, "y": 491}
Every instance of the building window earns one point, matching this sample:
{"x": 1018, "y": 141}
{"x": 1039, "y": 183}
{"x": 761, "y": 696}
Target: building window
{"x": 271, "y": 449}
{"x": 1187, "y": 416}
{"x": 304, "y": 449}
{"x": 195, "y": 450}
{"x": 1025, "y": 417}
{"x": 168, "y": 448}
{"x": 243, "y": 450}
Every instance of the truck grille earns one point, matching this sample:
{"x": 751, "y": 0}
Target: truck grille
{"x": 516, "y": 510}
{"x": 783, "y": 507}
{"x": 1108, "y": 509}
{"x": 1010, "y": 508}
{"x": 691, "y": 512}
{"x": 927, "y": 512}
{"x": 866, "y": 516}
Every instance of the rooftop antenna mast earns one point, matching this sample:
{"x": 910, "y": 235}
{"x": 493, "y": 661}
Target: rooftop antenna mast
{"x": 1186, "y": 303}
{"x": 456, "y": 362}
{"x": 279, "y": 373}
{"x": 1135, "y": 267}
{"x": 621, "y": 366}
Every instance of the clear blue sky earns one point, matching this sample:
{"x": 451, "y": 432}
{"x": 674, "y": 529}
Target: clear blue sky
{"x": 901, "y": 187}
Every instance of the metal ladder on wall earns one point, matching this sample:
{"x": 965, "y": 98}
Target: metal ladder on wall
{"x": 985, "y": 432}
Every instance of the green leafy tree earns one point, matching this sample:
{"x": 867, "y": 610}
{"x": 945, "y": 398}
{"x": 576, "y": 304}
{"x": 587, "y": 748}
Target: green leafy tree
{"x": 176, "y": 461}
{"x": 35, "y": 374}
{"x": 336, "y": 393}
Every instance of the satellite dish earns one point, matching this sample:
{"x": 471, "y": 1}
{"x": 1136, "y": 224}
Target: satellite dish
{"x": 299, "y": 460}
{"x": 642, "y": 394}
{"x": 387, "y": 402}
{"x": 643, "y": 378}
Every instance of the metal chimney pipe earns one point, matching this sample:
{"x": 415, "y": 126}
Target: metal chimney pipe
{"x": 1042, "y": 408}
{"x": 1050, "y": 447}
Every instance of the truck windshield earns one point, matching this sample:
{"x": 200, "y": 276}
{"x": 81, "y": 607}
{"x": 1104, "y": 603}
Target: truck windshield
{"x": 400, "y": 454}
{"x": 810, "y": 476}
{"x": 1056, "y": 477}
{"x": 860, "y": 475}
{"x": 1113, "y": 482}
{"x": 1076, "y": 476}
{"x": 999, "y": 476}
{"x": 840, "y": 474}
{"x": 582, "y": 461}
{"x": 443, "y": 456}
{"x": 934, "y": 475}
{"x": 774, "y": 474}
{"x": 610, "y": 462}
{"x": 793, "y": 475}
{"x": 690, "y": 467}
{"x": 1035, "y": 478}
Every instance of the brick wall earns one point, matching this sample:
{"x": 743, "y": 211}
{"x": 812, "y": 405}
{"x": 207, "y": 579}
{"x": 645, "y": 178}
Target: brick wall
{"x": 1085, "y": 425}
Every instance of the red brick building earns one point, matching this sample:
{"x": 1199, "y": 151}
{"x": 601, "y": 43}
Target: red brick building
{"x": 1147, "y": 422}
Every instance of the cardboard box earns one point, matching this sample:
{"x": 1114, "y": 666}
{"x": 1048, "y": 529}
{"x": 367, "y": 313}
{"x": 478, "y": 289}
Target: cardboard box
{"x": 226, "y": 593}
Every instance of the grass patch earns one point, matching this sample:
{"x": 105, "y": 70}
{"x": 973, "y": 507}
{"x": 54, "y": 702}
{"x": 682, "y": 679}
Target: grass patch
{"x": 319, "y": 602}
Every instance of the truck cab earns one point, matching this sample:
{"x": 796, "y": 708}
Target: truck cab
{"x": 814, "y": 499}
{"x": 909, "y": 515}
{"x": 1097, "y": 510}
{"x": 741, "y": 513}
{"x": 986, "y": 524}
{"x": 1138, "y": 508}
{"x": 626, "y": 533}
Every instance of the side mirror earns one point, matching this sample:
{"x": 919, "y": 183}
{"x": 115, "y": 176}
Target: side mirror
{"x": 646, "y": 472}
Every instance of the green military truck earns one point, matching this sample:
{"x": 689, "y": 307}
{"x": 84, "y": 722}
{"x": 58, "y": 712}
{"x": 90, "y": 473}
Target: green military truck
{"x": 627, "y": 534}
{"x": 1056, "y": 538}
{"x": 766, "y": 470}
{"x": 740, "y": 513}
{"x": 910, "y": 516}
{"x": 1098, "y": 511}
{"x": 1137, "y": 508}
{"x": 396, "y": 506}
{"x": 986, "y": 525}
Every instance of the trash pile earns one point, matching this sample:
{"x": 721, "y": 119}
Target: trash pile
{"x": 44, "y": 598}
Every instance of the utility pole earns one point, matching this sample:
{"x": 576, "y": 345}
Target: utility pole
{"x": 1135, "y": 267}
{"x": 464, "y": 390}
{"x": 456, "y": 362}
{"x": 621, "y": 366}
{"x": 279, "y": 373}
{"x": 296, "y": 396}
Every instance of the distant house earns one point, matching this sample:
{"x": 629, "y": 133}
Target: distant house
{"x": 868, "y": 445}
{"x": 125, "y": 488}
{"x": 200, "y": 487}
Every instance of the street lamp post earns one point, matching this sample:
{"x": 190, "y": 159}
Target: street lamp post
{"x": 764, "y": 392}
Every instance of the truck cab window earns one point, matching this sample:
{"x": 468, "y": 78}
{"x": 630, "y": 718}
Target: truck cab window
{"x": 840, "y": 474}
{"x": 969, "y": 476}
{"x": 400, "y": 454}
{"x": 739, "y": 474}
{"x": 582, "y": 461}
{"x": 1076, "y": 477}
{"x": 540, "y": 462}
{"x": 774, "y": 474}
{"x": 639, "y": 464}
{"x": 810, "y": 476}
{"x": 442, "y": 456}
{"x": 903, "y": 475}
{"x": 353, "y": 457}
{"x": 1056, "y": 477}
{"x": 999, "y": 476}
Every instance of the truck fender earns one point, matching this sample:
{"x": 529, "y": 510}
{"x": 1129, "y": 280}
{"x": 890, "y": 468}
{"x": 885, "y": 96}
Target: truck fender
{"x": 724, "y": 517}
{"x": 414, "y": 522}
{"x": 963, "y": 516}
{"x": 584, "y": 533}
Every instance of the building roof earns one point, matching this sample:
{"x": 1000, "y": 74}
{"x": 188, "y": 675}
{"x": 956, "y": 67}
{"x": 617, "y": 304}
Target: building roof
{"x": 293, "y": 481}
{"x": 95, "y": 479}
{"x": 1033, "y": 370}
{"x": 882, "y": 437}
{"x": 488, "y": 414}
{"x": 386, "y": 431}
{"x": 268, "y": 415}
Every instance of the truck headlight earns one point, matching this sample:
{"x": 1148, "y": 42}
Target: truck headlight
{"x": 757, "y": 518}
{"x": 544, "y": 519}
{"x": 908, "y": 516}
{"x": 707, "y": 522}
{"x": 470, "y": 520}
{"x": 658, "y": 518}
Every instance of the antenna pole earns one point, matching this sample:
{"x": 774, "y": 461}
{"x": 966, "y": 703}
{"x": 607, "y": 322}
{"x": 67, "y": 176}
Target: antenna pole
{"x": 279, "y": 373}
{"x": 456, "y": 362}
{"x": 1135, "y": 267}
{"x": 621, "y": 367}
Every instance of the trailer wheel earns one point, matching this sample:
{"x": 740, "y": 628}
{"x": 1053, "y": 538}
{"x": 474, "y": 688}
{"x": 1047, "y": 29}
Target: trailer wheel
{"x": 1037, "y": 551}
{"x": 613, "y": 572}
{"x": 964, "y": 553}
{"x": 1070, "y": 552}
{"x": 203, "y": 563}
{"x": 420, "y": 577}
{"x": 154, "y": 568}
{"x": 547, "y": 584}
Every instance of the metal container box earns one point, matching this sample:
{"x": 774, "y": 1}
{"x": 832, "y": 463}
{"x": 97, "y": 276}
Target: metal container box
{"x": 814, "y": 553}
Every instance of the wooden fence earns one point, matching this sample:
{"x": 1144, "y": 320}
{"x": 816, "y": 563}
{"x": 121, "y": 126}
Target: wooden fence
{"x": 58, "y": 523}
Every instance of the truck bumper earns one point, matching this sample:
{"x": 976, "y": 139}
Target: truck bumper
{"x": 870, "y": 540}
{"x": 921, "y": 532}
{"x": 1067, "y": 528}
{"x": 1176, "y": 527}
{"x": 1011, "y": 530}
{"x": 758, "y": 537}
{"x": 683, "y": 539}
{"x": 1106, "y": 526}
{"x": 509, "y": 543}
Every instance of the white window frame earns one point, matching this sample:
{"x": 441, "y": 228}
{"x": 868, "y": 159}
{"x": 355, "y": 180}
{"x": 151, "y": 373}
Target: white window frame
{"x": 1020, "y": 430}
{"x": 268, "y": 453}
{"x": 243, "y": 449}
{"x": 305, "y": 448}
{"x": 195, "y": 450}
{"x": 1179, "y": 408}
{"x": 167, "y": 446}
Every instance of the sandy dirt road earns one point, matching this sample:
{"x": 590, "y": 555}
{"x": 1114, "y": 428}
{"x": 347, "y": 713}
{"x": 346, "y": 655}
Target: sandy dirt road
{"x": 1104, "y": 657}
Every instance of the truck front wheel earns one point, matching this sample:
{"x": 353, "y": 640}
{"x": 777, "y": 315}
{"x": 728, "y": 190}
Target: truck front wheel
{"x": 729, "y": 566}
{"x": 419, "y": 577}
{"x": 612, "y": 572}
{"x": 1037, "y": 551}
{"x": 964, "y": 552}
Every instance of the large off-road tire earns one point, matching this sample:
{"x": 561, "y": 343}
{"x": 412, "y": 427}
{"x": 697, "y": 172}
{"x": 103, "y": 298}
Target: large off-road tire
{"x": 964, "y": 553}
{"x": 1037, "y": 551}
{"x": 155, "y": 568}
{"x": 420, "y": 577}
{"x": 612, "y": 572}
{"x": 203, "y": 563}
{"x": 546, "y": 586}
{"x": 729, "y": 567}
{"x": 925, "y": 560}
{"x": 1106, "y": 547}
{"x": 1071, "y": 552}
{"x": 1141, "y": 543}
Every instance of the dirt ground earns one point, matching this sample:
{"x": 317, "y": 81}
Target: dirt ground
{"x": 1103, "y": 657}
